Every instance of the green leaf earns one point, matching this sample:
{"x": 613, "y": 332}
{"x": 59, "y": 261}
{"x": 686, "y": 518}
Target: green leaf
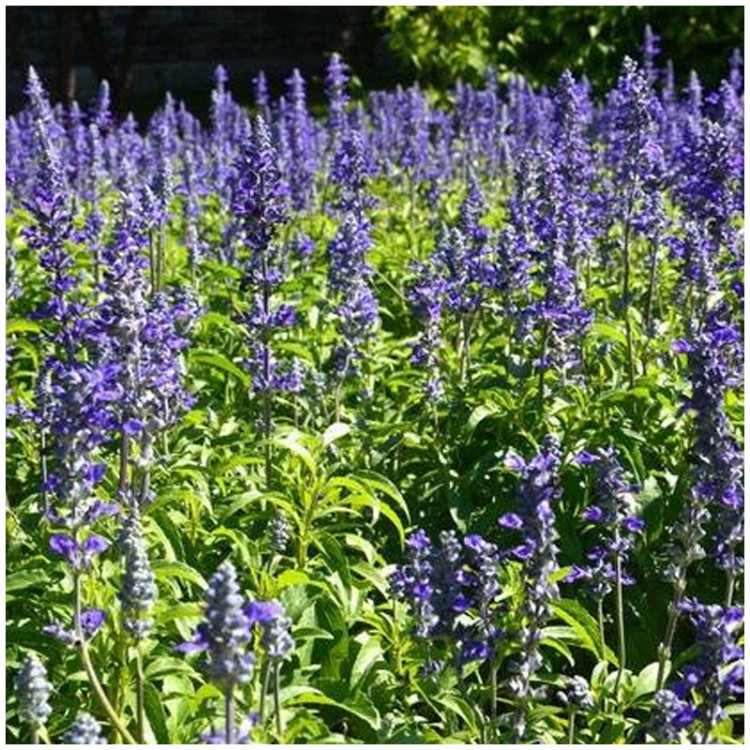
{"x": 178, "y": 611}
{"x": 378, "y": 482}
{"x": 558, "y": 636}
{"x": 21, "y": 325}
{"x": 336, "y": 431}
{"x": 292, "y": 577}
{"x": 368, "y": 655}
{"x": 573, "y": 613}
{"x": 609, "y": 331}
{"x": 154, "y": 704}
{"x": 373, "y": 576}
{"x": 460, "y": 707}
{"x": 479, "y": 414}
{"x": 645, "y": 682}
{"x": 219, "y": 362}
{"x": 25, "y": 579}
{"x": 291, "y": 443}
{"x": 311, "y": 634}
{"x": 362, "y": 708}
{"x": 165, "y": 569}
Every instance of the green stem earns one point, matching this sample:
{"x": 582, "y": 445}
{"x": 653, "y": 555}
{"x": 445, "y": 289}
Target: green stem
{"x": 620, "y": 621}
{"x": 162, "y": 254}
{"x": 731, "y": 580}
{"x": 264, "y": 691}
{"x": 34, "y": 734}
{"x": 493, "y": 706}
{"x": 229, "y": 715}
{"x": 626, "y": 296}
{"x": 152, "y": 263}
{"x": 45, "y": 476}
{"x": 145, "y": 483}
{"x": 78, "y": 630}
{"x": 651, "y": 288}
{"x": 665, "y": 647}
{"x": 307, "y": 522}
{"x": 600, "y": 618}
{"x": 140, "y": 685}
{"x": 114, "y": 719}
{"x": 571, "y": 725}
{"x": 266, "y": 375}
{"x": 542, "y": 357}
{"x": 396, "y": 640}
{"x": 277, "y": 702}
{"x": 124, "y": 454}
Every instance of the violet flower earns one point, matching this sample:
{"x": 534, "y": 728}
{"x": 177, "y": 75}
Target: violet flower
{"x": 538, "y": 557}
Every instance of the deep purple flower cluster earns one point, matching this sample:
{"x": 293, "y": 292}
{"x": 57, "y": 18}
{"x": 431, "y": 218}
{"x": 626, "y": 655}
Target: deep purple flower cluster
{"x": 710, "y": 190}
{"x": 356, "y": 307}
{"x": 258, "y": 205}
{"x": 337, "y": 77}
{"x": 33, "y": 691}
{"x": 85, "y": 731}
{"x": 162, "y": 147}
{"x": 461, "y": 255}
{"x": 298, "y": 132}
{"x": 452, "y": 591}
{"x": 537, "y": 554}
{"x": 426, "y": 297}
{"x": 142, "y": 335}
{"x": 348, "y": 279}
{"x": 276, "y": 637}
{"x": 280, "y": 533}
{"x": 634, "y": 153}
{"x": 613, "y": 516}
{"x": 717, "y": 675}
{"x": 226, "y": 635}
{"x": 482, "y": 588}
{"x": 229, "y": 637}
{"x": 715, "y": 359}
{"x": 138, "y": 591}
{"x": 52, "y": 222}
{"x": 547, "y": 234}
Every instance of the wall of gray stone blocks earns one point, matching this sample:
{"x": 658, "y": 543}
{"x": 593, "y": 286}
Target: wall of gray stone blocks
{"x": 180, "y": 46}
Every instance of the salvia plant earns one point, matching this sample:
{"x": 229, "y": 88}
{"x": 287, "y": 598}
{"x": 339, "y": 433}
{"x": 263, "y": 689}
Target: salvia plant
{"x": 401, "y": 419}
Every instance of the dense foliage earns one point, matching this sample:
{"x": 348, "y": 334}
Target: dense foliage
{"x": 439, "y": 44}
{"x": 403, "y": 424}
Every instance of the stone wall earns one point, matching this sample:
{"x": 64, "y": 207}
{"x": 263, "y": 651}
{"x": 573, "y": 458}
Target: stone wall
{"x": 178, "y": 47}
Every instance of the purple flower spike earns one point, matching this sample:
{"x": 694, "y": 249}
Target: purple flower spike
{"x": 634, "y": 524}
{"x": 514, "y": 462}
{"x": 95, "y": 544}
{"x": 92, "y": 620}
{"x": 198, "y": 643}
{"x": 96, "y": 473}
{"x": 461, "y": 604}
{"x": 511, "y": 521}
{"x": 418, "y": 540}
{"x": 474, "y": 542}
{"x": 132, "y": 426}
{"x": 262, "y": 612}
{"x": 64, "y": 545}
{"x": 613, "y": 515}
{"x": 584, "y": 458}
{"x": 577, "y": 573}
{"x": 56, "y": 630}
{"x": 523, "y": 551}
{"x": 593, "y": 513}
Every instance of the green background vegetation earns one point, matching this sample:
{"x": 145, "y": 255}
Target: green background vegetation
{"x": 439, "y": 44}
